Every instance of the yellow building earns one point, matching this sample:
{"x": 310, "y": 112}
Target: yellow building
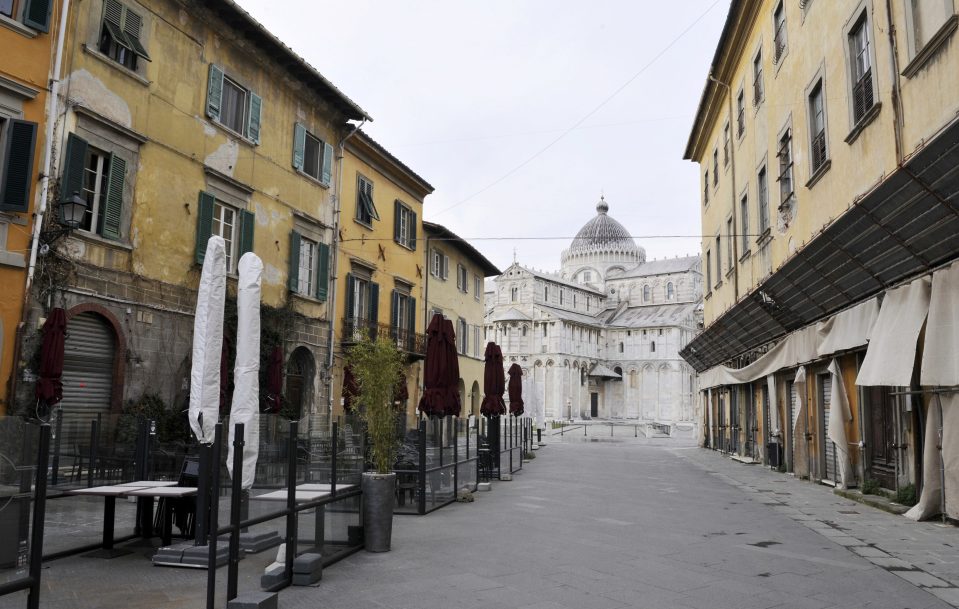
{"x": 822, "y": 138}
{"x": 186, "y": 119}
{"x": 28, "y": 31}
{"x": 455, "y": 288}
{"x": 379, "y": 259}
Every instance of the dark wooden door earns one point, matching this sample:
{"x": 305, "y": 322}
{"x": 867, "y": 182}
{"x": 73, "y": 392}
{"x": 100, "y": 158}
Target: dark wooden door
{"x": 594, "y": 405}
{"x": 882, "y": 436}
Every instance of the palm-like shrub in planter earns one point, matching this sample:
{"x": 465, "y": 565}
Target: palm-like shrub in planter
{"x": 375, "y": 366}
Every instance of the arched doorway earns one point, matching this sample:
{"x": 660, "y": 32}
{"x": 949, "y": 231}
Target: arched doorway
{"x": 300, "y": 371}
{"x": 463, "y": 402}
{"x": 475, "y": 399}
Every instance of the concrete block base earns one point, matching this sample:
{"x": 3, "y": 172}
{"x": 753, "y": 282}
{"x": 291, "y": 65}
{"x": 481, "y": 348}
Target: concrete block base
{"x": 257, "y": 542}
{"x": 273, "y": 575}
{"x": 484, "y": 486}
{"x": 307, "y": 569}
{"x": 190, "y": 556}
{"x": 506, "y": 477}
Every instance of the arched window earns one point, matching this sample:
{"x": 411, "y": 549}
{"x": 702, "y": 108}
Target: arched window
{"x": 514, "y": 294}
{"x": 652, "y": 346}
{"x": 561, "y": 297}
{"x": 620, "y": 347}
{"x": 524, "y": 330}
{"x": 670, "y": 291}
{"x": 546, "y": 293}
{"x": 647, "y": 293}
{"x": 618, "y": 371}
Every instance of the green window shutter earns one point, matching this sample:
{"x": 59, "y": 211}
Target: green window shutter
{"x": 350, "y": 287}
{"x": 204, "y": 223}
{"x": 36, "y": 14}
{"x": 412, "y": 314}
{"x": 113, "y": 211}
{"x": 214, "y": 92}
{"x": 247, "y": 223}
{"x": 413, "y": 226}
{"x": 253, "y": 127}
{"x": 299, "y": 146}
{"x": 374, "y": 307}
{"x": 397, "y": 210}
{"x": 446, "y": 266}
{"x": 322, "y": 271}
{"x": 73, "y": 164}
{"x": 16, "y": 176}
{"x": 327, "y": 163}
{"x": 394, "y": 310}
{"x": 132, "y": 27}
{"x": 293, "y": 280}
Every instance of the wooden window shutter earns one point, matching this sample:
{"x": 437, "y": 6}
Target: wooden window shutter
{"x": 374, "y": 307}
{"x": 322, "y": 271}
{"x": 294, "y": 267}
{"x": 253, "y": 126}
{"x": 73, "y": 164}
{"x": 132, "y": 27}
{"x": 36, "y": 14}
{"x": 397, "y": 210}
{"x": 113, "y": 211}
{"x": 413, "y": 230}
{"x": 204, "y": 223}
{"x": 412, "y": 315}
{"x": 16, "y": 176}
{"x": 247, "y": 224}
{"x": 350, "y": 287}
{"x": 299, "y": 146}
{"x": 446, "y": 266}
{"x": 394, "y": 309}
{"x": 214, "y": 92}
{"x": 327, "y": 163}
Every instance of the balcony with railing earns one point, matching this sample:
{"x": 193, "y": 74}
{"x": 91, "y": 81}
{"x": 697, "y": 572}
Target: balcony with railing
{"x": 409, "y": 342}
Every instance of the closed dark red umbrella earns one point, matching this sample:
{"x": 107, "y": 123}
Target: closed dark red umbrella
{"x": 350, "y": 389}
{"x": 49, "y": 389}
{"x": 515, "y": 389}
{"x": 439, "y": 394}
{"x": 494, "y": 382}
{"x": 274, "y": 380}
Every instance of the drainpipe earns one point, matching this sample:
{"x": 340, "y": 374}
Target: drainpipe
{"x": 732, "y": 173}
{"x": 897, "y": 110}
{"x": 334, "y": 260}
{"x": 49, "y": 131}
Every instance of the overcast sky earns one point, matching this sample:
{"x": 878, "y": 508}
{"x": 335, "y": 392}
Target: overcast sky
{"x": 466, "y": 93}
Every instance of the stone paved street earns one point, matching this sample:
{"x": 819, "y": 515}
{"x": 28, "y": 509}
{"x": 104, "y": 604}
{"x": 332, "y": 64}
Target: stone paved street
{"x": 598, "y": 525}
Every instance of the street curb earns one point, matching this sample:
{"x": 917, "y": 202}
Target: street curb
{"x": 876, "y": 501}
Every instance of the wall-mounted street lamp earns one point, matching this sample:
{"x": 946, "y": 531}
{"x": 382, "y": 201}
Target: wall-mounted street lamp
{"x": 71, "y": 215}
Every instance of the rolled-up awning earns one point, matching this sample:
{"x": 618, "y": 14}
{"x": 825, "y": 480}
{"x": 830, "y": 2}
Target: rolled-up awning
{"x": 891, "y": 355}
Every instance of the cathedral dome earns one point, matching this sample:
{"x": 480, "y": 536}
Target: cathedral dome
{"x": 603, "y": 236}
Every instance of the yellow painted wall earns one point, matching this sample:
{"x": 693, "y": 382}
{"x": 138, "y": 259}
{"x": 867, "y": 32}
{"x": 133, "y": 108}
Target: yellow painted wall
{"x": 26, "y": 61}
{"x": 167, "y": 105}
{"x": 817, "y": 45}
{"x": 443, "y": 294}
{"x": 362, "y": 244}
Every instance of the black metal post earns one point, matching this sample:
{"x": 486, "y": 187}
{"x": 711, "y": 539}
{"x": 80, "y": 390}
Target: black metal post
{"x": 56, "y": 447}
{"x": 236, "y": 491}
{"x": 456, "y": 460}
{"x": 39, "y": 511}
{"x": 290, "y": 505}
{"x": 421, "y": 482}
{"x": 214, "y": 518}
{"x": 94, "y": 439}
{"x": 334, "y": 448}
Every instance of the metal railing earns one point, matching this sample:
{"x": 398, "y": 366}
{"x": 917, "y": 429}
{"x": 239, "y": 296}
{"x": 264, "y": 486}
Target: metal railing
{"x": 406, "y": 340}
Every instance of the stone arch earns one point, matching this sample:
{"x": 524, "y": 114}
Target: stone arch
{"x": 119, "y": 348}
{"x": 475, "y": 399}
{"x": 462, "y": 392}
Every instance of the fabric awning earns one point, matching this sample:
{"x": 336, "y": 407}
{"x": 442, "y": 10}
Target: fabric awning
{"x": 940, "y": 357}
{"x": 890, "y": 357}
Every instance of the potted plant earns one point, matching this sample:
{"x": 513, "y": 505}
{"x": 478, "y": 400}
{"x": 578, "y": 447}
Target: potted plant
{"x": 375, "y": 366}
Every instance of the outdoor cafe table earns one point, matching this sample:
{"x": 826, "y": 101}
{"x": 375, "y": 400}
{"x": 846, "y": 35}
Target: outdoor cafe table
{"x": 304, "y": 495}
{"x": 110, "y": 494}
{"x": 168, "y": 492}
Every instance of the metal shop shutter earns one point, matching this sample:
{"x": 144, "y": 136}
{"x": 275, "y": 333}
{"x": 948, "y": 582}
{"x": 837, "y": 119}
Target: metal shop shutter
{"x": 829, "y": 445}
{"x": 87, "y": 366}
{"x": 793, "y": 404}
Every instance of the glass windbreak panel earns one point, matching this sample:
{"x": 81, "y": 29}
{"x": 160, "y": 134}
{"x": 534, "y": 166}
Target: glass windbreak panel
{"x": 19, "y": 442}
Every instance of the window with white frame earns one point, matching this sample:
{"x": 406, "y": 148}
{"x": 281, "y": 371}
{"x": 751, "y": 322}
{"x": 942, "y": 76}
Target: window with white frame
{"x": 306, "y": 267}
{"x": 715, "y": 166}
{"x": 730, "y": 233}
{"x": 706, "y": 188}
{"x": 404, "y": 225}
{"x": 365, "y": 208}
{"x": 232, "y": 105}
{"x": 98, "y": 177}
{"x": 709, "y": 271}
{"x": 462, "y": 336}
{"x": 817, "y": 127}
{"x": 478, "y": 341}
{"x": 863, "y": 96}
{"x": 309, "y": 273}
{"x": 926, "y": 18}
{"x": 439, "y": 264}
{"x": 514, "y": 294}
{"x": 120, "y": 34}
{"x": 740, "y": 113}
{"x": 225, "y": 225}
{"x": 726, "y": 145}
{"x": 95, "y": 172}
